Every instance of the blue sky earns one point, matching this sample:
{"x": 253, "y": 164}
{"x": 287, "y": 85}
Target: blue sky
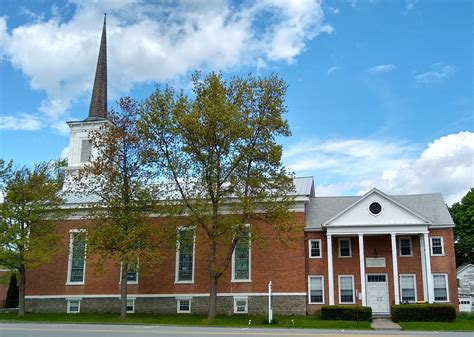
{"x": 380, "y": 92}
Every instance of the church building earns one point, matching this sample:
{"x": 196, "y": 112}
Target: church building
{"x": 373, "y": 250}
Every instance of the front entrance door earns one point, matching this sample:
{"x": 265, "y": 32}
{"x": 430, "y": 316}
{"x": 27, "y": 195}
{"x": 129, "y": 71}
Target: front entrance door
{"x": 377, "y": 293}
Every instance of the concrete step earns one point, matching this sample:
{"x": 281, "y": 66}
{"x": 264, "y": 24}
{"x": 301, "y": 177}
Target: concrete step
{"x": 384, "y": 324}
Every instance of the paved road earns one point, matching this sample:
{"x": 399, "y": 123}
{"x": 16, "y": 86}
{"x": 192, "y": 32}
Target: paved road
{"x": 80, "y": 330}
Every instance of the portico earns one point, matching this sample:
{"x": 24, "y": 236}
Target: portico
{"x": 380, "y": 227}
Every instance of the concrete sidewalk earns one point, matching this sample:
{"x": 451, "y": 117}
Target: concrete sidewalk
{"x": 384, "y": 324}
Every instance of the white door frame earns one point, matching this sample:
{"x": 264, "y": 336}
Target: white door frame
{"x": 386, "y": 289}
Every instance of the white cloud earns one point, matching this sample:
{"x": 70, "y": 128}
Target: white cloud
{"x": 354, "y": 166}
{"x": 64, "y": 153}
{"x": 446, "y": 165}
{"x": 60, "y": 127}
{"x": 438, "y": 74}
{"x": 149, "y": 43}
{"x": 333, "y": 69}
{"x": 382, "y": 68}
{"x": 410, "y": 4}
{"x": 23, "y": 122}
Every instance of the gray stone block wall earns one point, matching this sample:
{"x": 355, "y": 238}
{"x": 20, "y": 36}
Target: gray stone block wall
{"x": 257, "y": 305}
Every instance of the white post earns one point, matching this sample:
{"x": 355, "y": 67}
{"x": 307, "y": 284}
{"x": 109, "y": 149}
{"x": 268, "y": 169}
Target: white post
{"x": 424, "y": 276}
{"x": 330, "y": 271}
{"x": 395, "y": 268}
{"x": 270, "y": 307}
{"x": 429, "y": 277}
{"x": 362, "y": 269}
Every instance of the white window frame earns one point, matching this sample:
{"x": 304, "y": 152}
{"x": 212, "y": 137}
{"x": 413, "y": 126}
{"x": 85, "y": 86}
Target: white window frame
{"x": 176, "y": 276}
{"x": 353, "y": 289}
{"x": 128, "y": 282}
{"x": 414, "y": 284}
{"x": 339, "y": 247}
{"x": 69, "y": 300}
{"x": 233, "y": 279}
{"x": 178, "y": 304}
{"x": 447, "y": 287}
{"x": 238, "y": 299}
{"x": 320, "y": 248}
{"x": 442, "y": 245}
{"x": 400, "y": 246}
{"x": 69, "y": 263}
{"x": 309, "y": 288}
{"x": 132, "y": 299}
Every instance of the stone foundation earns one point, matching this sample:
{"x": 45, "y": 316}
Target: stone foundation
{"x": 257, "y": 305}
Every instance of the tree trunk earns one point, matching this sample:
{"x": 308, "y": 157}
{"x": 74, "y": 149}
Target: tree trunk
{"x": 123, "y": 291}
{"x": 212, "y": 281}
{"x": 21, "y": 292}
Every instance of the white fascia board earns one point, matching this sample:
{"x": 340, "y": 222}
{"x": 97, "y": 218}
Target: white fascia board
{"x": 377, "y": 230}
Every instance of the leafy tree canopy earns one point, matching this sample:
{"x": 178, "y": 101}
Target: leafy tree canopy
{"x": 463, "y": 216}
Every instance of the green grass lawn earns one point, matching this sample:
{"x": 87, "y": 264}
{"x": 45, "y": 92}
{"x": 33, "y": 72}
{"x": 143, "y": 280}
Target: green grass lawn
{"x": 190, "y": 320}
{"x": 462, "y": 323}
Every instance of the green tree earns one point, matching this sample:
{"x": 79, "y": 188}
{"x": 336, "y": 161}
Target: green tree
{"x": 12, "y": 293}
{"x": 120, "y": 183}
{"x": 218, "y": 154}
{"x": 31, "y": 205}
{"x": 463, "y": 216}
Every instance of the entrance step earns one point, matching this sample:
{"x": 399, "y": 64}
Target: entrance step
{"x": 384, "y": 324}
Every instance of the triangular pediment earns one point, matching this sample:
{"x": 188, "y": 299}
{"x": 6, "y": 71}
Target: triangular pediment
{"x": 391, "y": 213}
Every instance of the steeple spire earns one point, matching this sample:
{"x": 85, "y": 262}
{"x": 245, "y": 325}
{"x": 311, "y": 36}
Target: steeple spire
{"x": 98, "y": 106}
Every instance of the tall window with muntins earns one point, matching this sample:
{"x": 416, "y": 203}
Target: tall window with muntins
{"x": 314, "y": 248}
{"x": 407, "y": 287}
{"x": 86, "y": 150}
{"x": 405, "y": 247}
{"x": 77, "y": 257}
{"x": 185, "y": 255}
{"x": 437, "y": 245}
{"x": 316, "y": 295}
{"x": 440, "y": 285}
{"x": 242, "y": 257}
{"x": 346, "y": 289}
{"x": 344, "y": 247}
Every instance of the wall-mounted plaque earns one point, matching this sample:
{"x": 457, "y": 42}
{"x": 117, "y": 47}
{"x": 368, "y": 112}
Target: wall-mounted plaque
{"x": 375, "y": 262}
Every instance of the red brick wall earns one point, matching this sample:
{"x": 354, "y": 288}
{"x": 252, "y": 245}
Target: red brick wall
{"x": 446, "y": 263}
{"x": 380, "y": 246}
{"x": 270, "y": 261}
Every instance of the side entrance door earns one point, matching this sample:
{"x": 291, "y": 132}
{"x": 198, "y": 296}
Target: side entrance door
{"x": 377, "y": 293}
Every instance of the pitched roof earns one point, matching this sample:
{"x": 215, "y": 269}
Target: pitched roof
{"x": 430, "y": 206}
{"x": 304, "y": 187}
{"x": 98, "y": 106}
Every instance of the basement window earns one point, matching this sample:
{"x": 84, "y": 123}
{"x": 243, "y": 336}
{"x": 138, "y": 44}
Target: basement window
{"x": 241, "y": 305}
{"x": 73, "y": 306}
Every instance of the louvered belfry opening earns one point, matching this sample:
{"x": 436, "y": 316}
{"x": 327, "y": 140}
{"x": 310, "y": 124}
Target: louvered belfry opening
{"x": 98, "y": 106}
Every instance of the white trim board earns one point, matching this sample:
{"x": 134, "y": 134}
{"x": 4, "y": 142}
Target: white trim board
{"x": 161, "y": 295}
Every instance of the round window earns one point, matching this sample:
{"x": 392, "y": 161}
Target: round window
{"x": 375, "y": 208}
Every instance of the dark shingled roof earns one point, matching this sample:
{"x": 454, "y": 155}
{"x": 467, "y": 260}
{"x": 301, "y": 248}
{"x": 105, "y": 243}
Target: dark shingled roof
{"x": 98, "y": 106}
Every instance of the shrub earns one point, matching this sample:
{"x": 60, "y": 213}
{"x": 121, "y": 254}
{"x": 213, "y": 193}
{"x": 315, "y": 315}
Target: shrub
{"x": 423, "y": 313}
{"x": 346, "y": 313}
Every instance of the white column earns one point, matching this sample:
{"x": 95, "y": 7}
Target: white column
{"x": 429, "y": 277}
{"x": 362, "y": 269}
{"x": 395, "y": 268}
{"x": 424, "y": 276}
{"x": 330, "y": 271}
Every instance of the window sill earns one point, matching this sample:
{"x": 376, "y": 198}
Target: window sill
{"x": 345, "y": 257}
{"x": 75, "y": 283}
{"x": 437, "y": 254}
{"x": 317, "y": 303}
{"x": 241, "y": 281}
{"x": 183, "y": 282}
{"x": 315, "y": 257}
